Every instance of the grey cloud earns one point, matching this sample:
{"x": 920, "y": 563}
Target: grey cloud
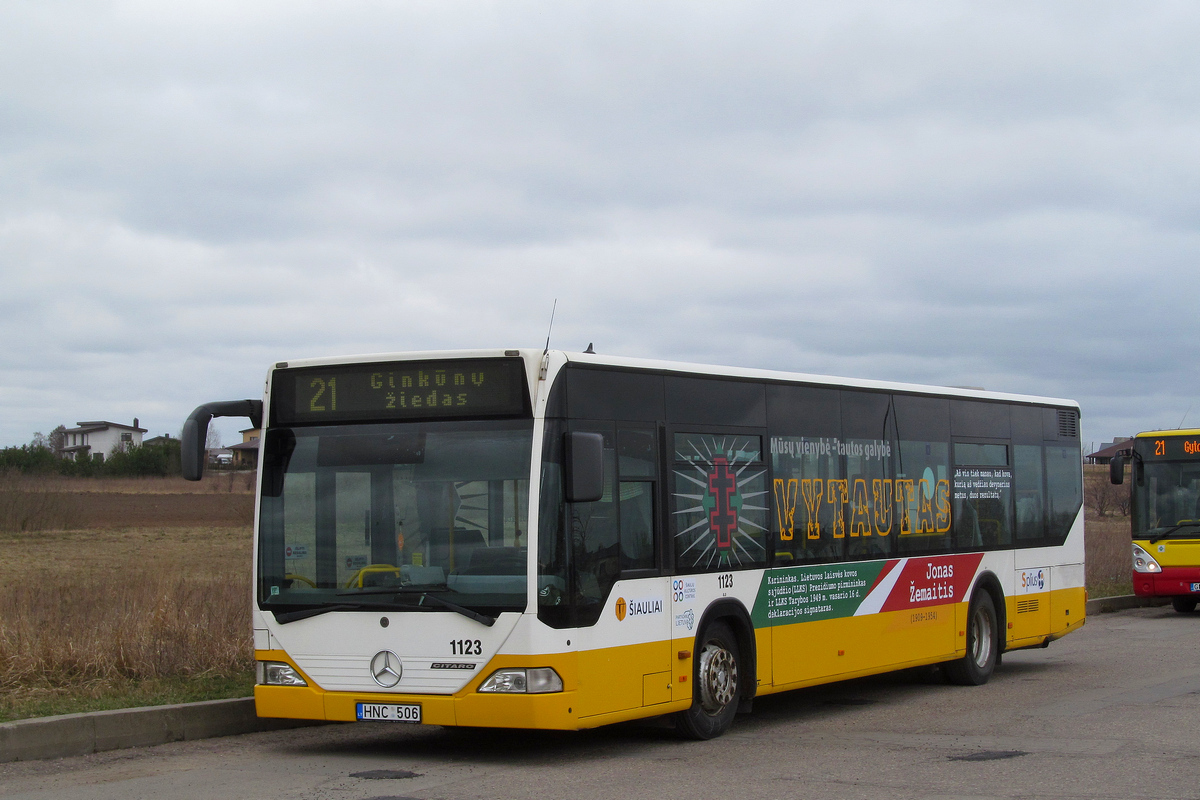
{"x": 950, "y": 194}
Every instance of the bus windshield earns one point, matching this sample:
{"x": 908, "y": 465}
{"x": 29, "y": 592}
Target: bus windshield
{"x": 1168, "y": 501}
{"x": 400, "y": 516}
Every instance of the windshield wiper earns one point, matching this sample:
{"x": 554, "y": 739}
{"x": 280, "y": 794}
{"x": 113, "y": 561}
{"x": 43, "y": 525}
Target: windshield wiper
{"x": 431, "y": 599}
{"x": 426, "y": 602}
{"x": 1168, "y": 531}
{"x": 284, "y": 617}
{"x": 417, "y": 589}
{"x": 466, "y": 612}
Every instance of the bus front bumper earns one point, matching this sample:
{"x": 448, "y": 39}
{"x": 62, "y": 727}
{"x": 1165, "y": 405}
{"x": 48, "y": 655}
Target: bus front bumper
{"x": 467, "y": 707}
{"x": 545, "y": 711}
{"x": 1171, "y": 582}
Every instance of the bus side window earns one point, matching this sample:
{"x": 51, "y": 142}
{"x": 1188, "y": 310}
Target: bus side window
{"x": 1027, "y": 484}
{"x": 1064, "y": 468}
{"x": 804, "y": 522}
{"x": 922, "y": 486}
{"x": 804, "y": 423}
{"x": 983, "y": 485}
{"x": 595, "y": 544}
{"x": 554, "y": 606}
{"x": 637, "y": 467}
{"x": 637, "y": 525}
{"x": 922, "y": 497}
{"x": 721, "y": 500}
{"x": 870, "y": 501}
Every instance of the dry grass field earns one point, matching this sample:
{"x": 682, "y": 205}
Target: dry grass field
{"x": 213, "y": 483}
{"x": 141, "y": 598}
{"x": 133, "y": 592}
{"x": 30, "y": 503}
{"x": 1108, "y": 556}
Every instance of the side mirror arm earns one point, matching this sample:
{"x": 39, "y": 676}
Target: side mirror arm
{"x": 195, "y": 430}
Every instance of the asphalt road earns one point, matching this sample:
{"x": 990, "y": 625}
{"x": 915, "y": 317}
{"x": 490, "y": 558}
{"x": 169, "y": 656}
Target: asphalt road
{"x": 1112, "y": 711}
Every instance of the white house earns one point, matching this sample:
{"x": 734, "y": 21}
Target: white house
{"x": 101, "y": 438}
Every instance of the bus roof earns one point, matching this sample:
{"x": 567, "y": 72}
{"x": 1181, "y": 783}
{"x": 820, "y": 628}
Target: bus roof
{"x": 799, "y": 377}
{"x": 533, "y": 356}
{"x": 1171, "y": 432}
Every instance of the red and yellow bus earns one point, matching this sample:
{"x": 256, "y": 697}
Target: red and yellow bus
{"x": 1165, "y": 514}
{"x": 555, "y": 540}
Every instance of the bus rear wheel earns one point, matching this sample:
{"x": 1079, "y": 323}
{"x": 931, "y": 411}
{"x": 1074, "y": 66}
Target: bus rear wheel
{"x": 715, "y": 687}
{"x": 983, "y": 644}
{"x": 1184, "y": 605}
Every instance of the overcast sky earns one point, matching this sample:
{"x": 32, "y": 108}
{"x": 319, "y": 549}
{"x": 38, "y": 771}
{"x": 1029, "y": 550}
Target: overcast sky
{"x": 1002, "y": 195}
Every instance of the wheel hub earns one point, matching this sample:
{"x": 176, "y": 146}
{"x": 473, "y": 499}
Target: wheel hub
{"x": 982, "y": 629}
{"x": 718, "y": 678}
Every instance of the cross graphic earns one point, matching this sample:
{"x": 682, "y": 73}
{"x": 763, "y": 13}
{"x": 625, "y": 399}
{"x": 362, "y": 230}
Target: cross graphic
{"x": 723, "y": 519}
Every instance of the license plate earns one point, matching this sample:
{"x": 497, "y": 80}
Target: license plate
{"x": 388, "y": 712}
{"x": 1195, "y": 587}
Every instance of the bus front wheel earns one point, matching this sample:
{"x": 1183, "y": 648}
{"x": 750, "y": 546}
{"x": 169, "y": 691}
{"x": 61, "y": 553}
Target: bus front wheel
{"x": 983, "y": 644}
{"x": 1184, "y": 605}
{"x": 715, "y": 689}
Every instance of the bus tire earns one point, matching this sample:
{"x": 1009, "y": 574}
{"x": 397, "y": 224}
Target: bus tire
{"x": 716, "y": 685}
{"x": 1184, "y": 605}
{"x": 983, "y": 644}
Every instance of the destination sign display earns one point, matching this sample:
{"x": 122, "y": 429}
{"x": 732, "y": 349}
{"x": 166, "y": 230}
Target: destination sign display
{"x": 1158, "y": 448}
{"x": 491, "y": 387}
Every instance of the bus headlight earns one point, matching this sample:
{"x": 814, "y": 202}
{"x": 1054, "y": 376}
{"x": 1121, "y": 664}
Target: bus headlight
{"x": 276, "y": 673}
{"x": 1143, "y": 562}
{"x": 537, "y": 680}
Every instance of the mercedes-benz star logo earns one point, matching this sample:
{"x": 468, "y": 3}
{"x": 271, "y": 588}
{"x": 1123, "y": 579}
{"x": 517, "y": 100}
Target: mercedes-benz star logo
{"x": 386, "y": 669}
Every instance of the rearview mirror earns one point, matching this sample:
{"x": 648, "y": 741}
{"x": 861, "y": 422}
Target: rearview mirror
{"x": 1116, "y": 470}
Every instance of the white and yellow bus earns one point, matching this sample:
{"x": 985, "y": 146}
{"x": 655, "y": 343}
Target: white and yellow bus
{"x": 531, "y": 539}
{"x": 1165, "y": 514}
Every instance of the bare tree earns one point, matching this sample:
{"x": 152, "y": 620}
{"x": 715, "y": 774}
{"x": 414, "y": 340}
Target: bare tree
{"x": 58, "y": 440}
{"x": 55, "y": 442}
{"x": 1102, "y": 497}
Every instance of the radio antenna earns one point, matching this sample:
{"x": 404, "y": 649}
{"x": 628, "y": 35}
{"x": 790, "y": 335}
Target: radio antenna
{"x": 1185, "y": 415}
{"x": 551, "y": 330}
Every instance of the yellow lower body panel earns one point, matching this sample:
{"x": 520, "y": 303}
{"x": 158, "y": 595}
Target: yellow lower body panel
{"x": 807, "y": 653}
{"x": 289, "y": 702}
{"x": 616, "y": 679}
{"x": 1043, "y": 616}
{"x": 1068, "y": 610}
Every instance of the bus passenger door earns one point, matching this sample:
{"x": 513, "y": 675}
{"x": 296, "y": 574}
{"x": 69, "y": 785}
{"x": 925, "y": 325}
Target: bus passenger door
{"x": 625, "y": 662}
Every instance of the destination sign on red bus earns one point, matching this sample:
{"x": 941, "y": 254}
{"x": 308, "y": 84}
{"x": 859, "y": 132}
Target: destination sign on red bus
{"x": 1168, "y": 447}
{"x": 492, "y": 387}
